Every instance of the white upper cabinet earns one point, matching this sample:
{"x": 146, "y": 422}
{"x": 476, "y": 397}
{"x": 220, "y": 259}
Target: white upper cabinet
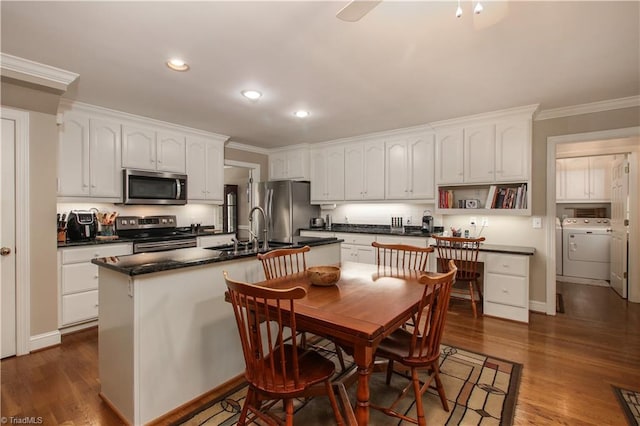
{"x": 144, "y": 148}
{"x": 364, "y": 171}
{"x": 89, "y": 157}
{"x": 327, "y": 174}
{"x": 205, "y": 170}
{"x": 513, "y": 152}
{"x": 479, "y": 154}
{"x": 450, "y": 150}
{"x": 289, "y": 164}
{"x": 584, "y": 179}
{"x": 410, "y": 167}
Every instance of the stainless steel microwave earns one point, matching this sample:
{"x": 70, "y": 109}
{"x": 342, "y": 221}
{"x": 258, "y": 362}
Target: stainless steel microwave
{"x": 145, "y": 187}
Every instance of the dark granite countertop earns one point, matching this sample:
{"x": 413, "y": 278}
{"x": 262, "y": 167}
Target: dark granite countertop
{"x": 146, "y": 263}
{"x": 499, "y": 248}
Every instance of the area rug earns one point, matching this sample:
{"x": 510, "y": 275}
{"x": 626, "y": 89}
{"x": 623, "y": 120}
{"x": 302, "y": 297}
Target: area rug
{"x": 630, "y": 402}
{"x": 481, "y": 389}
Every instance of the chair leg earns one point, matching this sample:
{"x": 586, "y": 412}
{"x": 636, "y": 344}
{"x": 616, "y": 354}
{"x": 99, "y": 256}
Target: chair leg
{"x": 473, "y": 300}
{"x": 289, "y": 418}
{"x": 340, "y": 357}
{"x": 416, "y": 390}
{"x": 334, "y": 403}
{"x": 389, "y": 371}
{"x": 440, "y": 386}
{"x": 249, "y": 399}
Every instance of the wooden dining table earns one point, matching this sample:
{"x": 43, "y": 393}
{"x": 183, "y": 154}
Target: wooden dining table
{"x": 366, "y": 304}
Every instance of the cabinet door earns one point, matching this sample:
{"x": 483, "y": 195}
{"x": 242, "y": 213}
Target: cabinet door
{"x": 576, "y": 172}
{"x": 335, "y": 173}
{"x": 73, "y": 156}
{"x": 354, "y": 172}
{"x": 396, "y": 179}
{"x": 346, "y": 253}
{"x": 105, "y": 159}
{"x": 374, "y": 171}
{"x": 170, "y": 155}
{"x": 450, "y": 164}
{"x": 138, "y": 148}
{"x": 318, "y": 167}
{"x": 79, "y": 307}
{"x": 215, "y": 171}
{"x": 297, "y": 164}
{"x": 479, "y": 153}
{"x": 278, "y": 166}
{"x": 364, "y": 254}
{"x": 600, "y": 178}
{"x": 196, "y": 168}
{"x": 77, "y": 277}
{"x": 422, "y": 167}
{"x": 513, "y": 147}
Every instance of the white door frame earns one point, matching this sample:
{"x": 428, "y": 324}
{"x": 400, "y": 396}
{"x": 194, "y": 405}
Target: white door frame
{"x": 634, "y": 244}
{"x": 23, "y": 273}
{"x": 254, "y": 175}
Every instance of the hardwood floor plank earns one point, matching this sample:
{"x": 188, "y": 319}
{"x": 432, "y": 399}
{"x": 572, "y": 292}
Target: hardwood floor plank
{"x": 570, "y": 361}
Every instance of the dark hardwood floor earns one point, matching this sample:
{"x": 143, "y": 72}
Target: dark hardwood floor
{"x": 570, "y": 362}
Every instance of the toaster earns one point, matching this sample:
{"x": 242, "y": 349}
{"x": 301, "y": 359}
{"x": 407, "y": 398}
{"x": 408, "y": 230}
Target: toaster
{"x": 316, "y": 222}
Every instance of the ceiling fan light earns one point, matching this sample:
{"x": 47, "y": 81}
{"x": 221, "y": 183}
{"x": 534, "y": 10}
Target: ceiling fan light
{"x": 301, "y": 114}
{"x": 478, "y": 9}
{"x": 177, "y": 64}
{"x": 251, "y": 94}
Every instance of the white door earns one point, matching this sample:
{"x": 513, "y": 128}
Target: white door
{"x": 619, "y": 224}
{"x": 7, "y": 239}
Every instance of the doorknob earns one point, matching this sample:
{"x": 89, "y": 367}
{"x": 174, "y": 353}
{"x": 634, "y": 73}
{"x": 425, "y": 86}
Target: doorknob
{"x": 5, "y": 251}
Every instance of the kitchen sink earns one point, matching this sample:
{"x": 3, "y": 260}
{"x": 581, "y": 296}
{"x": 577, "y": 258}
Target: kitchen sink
{"x": 245, "y": 248}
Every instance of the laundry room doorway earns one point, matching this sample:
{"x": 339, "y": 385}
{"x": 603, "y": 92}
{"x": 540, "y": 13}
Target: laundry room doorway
{"x": 568, "y": 157}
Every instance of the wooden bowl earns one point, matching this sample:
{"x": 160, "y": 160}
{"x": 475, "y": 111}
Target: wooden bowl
{"x": 323, "y": 275}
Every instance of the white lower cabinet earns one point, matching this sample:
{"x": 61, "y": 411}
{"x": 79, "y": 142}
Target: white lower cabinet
{"x": 506, "y": 286}
{"x": 357, "y": 247}
{"x": 78, "y": 281}
{"x": 215, "y": 240}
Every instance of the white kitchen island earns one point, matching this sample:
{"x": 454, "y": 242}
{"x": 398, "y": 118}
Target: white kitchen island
{"x": 166, "y": 334}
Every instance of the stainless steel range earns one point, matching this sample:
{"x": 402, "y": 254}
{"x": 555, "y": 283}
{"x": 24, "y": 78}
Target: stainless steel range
{"x": 154, "y": 233}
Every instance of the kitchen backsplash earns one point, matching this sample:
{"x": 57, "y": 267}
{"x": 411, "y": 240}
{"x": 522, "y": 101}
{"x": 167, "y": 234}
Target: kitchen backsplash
{"x": 380, "y": 213}
{"x": 204, "y": 214}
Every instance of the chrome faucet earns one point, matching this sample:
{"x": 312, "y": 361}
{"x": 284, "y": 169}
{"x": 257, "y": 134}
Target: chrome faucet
{"x": 235, "y": 245}
{"x": 265, "y": 244}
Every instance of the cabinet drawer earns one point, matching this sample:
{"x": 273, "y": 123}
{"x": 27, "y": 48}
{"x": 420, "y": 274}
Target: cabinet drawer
{"x": 411, "y": 241}
{"x": 319, "y": 234}
{"x": 506, "y": 290}
{"x": 78, "y": 277}
{"x": 79, "y": 307}
{"x": 359, "y": 239}
{"x": 506, "y": 264}
{"x": 85, "y": 254}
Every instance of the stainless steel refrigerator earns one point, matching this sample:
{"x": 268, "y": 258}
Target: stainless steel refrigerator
{"x": 288, "y": 207}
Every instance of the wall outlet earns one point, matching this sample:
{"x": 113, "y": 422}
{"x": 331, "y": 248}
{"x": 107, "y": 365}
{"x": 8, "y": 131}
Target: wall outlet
{"x": 485, "y": 221}
{"x": 537, "y": 222}
{"x": 473, "y": 221}
{"x": 407, "y": 220}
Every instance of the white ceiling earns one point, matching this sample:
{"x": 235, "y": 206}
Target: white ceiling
{"x": 403, "y": 64}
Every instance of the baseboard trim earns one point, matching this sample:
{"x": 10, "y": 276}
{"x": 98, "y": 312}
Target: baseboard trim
{"x": 536, "y": 306}
{"x": 44, "y": 340}
{"x": 579, "y": 280}
{"x": 78, "y": 327}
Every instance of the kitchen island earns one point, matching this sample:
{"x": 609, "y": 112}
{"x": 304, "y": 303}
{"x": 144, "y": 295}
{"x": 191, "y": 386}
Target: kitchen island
{"x": 166, "y": 334}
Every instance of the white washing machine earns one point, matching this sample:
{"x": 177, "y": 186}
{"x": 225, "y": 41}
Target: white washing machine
{"x": 559, "y": 255}
{"x": 586, "y": 248}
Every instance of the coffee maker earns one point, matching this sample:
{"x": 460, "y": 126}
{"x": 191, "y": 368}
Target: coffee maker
{"x": 427, "y": 222}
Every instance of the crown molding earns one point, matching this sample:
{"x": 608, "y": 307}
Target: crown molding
{"x": 608, "y": 105}
{"x": 248, "y": 148}
{"x": 36, "y": 73}
{"x": 525, "y": 111}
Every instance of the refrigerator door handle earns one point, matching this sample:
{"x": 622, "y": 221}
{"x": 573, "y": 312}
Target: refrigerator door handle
{"x": 269, "y": 211}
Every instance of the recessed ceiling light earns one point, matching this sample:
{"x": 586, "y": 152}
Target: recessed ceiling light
{"x": 177, "y": 64}
{"x": 251, "y": 94}
{"x": 301, "y": 114}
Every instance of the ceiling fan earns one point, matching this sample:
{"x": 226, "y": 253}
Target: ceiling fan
{"x": 356, "y": 9}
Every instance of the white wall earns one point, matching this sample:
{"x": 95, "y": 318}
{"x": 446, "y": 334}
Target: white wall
{"x": 380, "y": 213}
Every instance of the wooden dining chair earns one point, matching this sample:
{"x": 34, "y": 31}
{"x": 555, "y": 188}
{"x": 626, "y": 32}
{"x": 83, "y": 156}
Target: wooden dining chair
{"x": 280, "y": 262}
{"x": 275, "y": 368}
{"x": 402, "y": 256}
{"x": 419, "y": 348}
{"x": 465, "y": 252}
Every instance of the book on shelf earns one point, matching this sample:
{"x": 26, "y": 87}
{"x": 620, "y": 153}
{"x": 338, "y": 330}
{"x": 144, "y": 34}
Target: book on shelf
{"x": 491, "y": 196}
{"x": 509, "y": 197}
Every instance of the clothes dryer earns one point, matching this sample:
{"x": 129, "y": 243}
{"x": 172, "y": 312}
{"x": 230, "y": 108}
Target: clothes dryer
{"x": 586, "y": 248}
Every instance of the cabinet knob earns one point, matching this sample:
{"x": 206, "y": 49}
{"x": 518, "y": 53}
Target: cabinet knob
{"x": 96, "y": 254}
{"x": 85, "y": 185}
{"x": 505, "y": 291}
{"x": 96, "y": 305}
{"x": 95, "y": 277}
{"x": 505, "y": 265}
